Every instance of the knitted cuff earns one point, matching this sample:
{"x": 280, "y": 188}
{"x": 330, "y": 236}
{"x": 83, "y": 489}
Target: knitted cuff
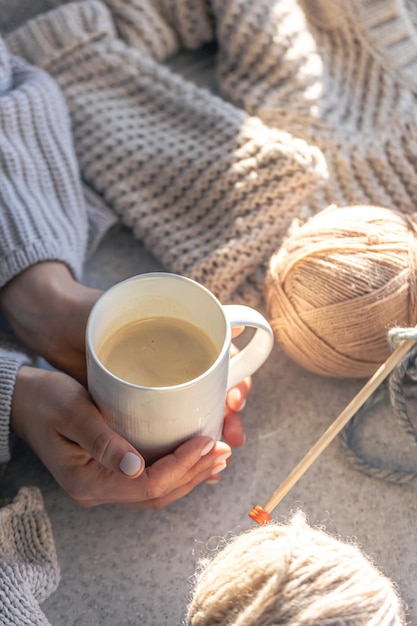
{"x": 29, "y": 570}
{"x": 209, "y": 189}
{"x": 12, "y": 357}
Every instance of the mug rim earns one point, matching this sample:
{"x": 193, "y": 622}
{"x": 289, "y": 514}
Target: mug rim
{"x": 91, "y": 352}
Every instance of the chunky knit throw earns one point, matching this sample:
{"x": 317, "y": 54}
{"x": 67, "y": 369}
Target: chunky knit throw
{"x": 209, "y": 189}
{"x": 29, "y": 570}
{"x": 342, "y": 75}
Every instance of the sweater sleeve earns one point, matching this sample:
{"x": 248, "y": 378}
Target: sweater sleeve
{"x": 42, "y": 209}
{"x": 12, "y": 357}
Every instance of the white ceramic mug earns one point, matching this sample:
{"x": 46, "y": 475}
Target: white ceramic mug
{"x": 158, "y": 419}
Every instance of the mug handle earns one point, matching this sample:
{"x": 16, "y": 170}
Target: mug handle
{"x": 257, "y": 350}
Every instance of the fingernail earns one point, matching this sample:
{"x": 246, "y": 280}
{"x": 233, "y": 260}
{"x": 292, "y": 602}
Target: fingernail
{"x": 207, "y": 448}
{"x": 235, "y": 398}
{"x": 213, "y": 481}
{"x": 130, "y": 464}
{"x": 223, "y": 457}
{"x": 219, "y": 467}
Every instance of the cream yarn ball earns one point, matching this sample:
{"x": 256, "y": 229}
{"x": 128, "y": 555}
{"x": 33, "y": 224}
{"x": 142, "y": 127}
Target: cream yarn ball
{"x": 337, "y": 285}
{"x": 292, "y": 575}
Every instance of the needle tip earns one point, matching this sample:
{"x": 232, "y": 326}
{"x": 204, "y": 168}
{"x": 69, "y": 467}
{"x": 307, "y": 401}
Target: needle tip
{"x": 259, "y": 515}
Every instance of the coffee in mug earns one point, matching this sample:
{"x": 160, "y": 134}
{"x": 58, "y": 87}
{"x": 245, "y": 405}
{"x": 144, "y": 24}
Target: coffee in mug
{"x": 158, "y": 352}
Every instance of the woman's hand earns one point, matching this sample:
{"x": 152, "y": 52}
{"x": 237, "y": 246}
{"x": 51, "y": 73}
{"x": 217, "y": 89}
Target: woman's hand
{"x": 48, "y": 311}
{"x": 56, "y": 417}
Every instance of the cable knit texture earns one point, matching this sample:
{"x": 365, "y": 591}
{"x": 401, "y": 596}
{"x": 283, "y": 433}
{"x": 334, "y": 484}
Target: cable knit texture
{"x": 29, "y": 571}
{"x": 342, "y": 75}
{"x": 209, "y": 189}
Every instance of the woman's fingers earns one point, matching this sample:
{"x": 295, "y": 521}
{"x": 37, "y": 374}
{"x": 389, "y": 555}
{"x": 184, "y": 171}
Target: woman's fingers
{"x": 101, "y": 443}
{"x": 162, "y": 482}
{"x": 92, "y": 463}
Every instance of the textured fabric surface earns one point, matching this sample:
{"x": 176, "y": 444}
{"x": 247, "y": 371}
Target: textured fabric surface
{"x": 29, "y": 570}
{"x": 343, "y": 76}
{"x": 339, "y": 75}
{"x": 207, "y": 188}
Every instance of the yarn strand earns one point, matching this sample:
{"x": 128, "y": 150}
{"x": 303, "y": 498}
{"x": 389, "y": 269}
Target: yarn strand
{"x": 395, "y": 392}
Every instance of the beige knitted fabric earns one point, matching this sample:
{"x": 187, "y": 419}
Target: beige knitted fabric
{"x": 209, "y": 189}
{"x": 29, "y": 570}
{"x": 340, "y": 74}
{"x": 162, "y": 27}
{"x": 343, "y": 75}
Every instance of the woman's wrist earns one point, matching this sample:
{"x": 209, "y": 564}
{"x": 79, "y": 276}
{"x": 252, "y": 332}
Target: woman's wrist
{"x": 47, "y": 310}
{"x": 29, "y": 298}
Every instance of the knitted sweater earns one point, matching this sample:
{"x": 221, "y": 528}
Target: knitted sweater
{"x": 43, "y": 209}
{"x": 342, "y": 75}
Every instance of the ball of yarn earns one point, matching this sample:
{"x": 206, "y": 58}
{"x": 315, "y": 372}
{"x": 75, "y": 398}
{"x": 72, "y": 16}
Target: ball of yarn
{"x": 293, "y": 575}
{"x": 338, "y": 284}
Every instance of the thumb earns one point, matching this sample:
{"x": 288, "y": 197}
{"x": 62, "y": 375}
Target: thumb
{"x": 107, "y": 447}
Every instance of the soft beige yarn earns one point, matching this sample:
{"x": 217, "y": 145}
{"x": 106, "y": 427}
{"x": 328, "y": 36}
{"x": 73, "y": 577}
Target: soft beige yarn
{"x": 293, "y": 575}
{"x": 338, "y": 284}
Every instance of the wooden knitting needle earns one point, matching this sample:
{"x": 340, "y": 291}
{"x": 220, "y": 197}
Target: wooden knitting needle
{"x": 261, "y": 514}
